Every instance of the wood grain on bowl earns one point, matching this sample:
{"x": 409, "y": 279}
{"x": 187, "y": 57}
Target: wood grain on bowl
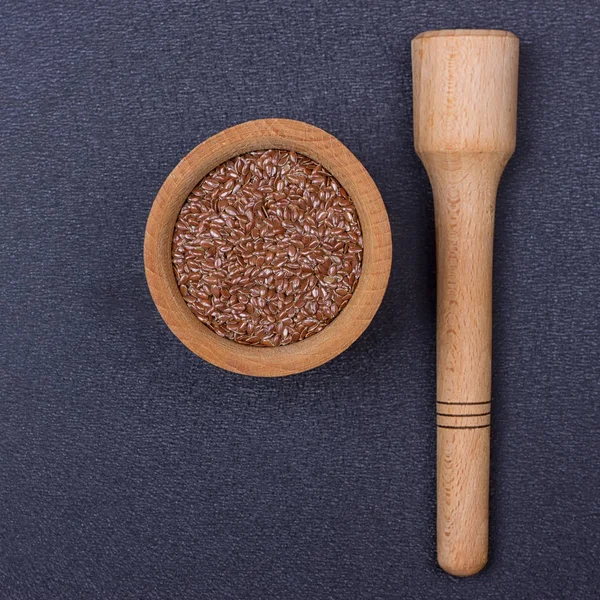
{"x": 324, "y": 149}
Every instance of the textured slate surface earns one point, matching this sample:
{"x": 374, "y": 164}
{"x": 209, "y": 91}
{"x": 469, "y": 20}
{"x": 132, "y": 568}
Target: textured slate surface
{"x": 129, "y": 468}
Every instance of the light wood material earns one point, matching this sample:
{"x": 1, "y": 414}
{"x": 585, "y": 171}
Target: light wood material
{"x": 465, "y": 101}
{"x": 344, "y": 329}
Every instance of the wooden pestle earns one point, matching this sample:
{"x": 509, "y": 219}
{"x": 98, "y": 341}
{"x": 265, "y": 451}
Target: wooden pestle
{"x": 465, "y": 102}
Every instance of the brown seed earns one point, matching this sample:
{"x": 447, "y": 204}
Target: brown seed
{"x": 252, "y": 237}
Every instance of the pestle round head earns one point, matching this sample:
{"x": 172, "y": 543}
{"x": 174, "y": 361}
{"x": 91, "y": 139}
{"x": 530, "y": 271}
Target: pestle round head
{"x": 465, "y": 91}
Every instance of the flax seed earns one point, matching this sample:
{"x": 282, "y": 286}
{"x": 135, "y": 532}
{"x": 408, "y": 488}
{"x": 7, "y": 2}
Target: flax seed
{"x": 267, "y": 249}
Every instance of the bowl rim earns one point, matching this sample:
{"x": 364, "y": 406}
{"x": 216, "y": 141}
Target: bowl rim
{"x": 347, "y": 327}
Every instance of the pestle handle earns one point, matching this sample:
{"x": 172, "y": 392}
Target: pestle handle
{"x": 465, "y": 101}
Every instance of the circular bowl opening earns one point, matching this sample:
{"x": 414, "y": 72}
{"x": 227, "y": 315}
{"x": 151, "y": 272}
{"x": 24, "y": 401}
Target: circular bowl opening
{"x": 377, "y": 249}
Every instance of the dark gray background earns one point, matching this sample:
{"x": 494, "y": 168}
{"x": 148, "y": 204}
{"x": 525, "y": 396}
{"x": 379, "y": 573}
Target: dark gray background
{"x": 130, "y": 468}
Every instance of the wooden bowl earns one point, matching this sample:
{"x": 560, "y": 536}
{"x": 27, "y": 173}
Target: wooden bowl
{"x": 377, "y": 257}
